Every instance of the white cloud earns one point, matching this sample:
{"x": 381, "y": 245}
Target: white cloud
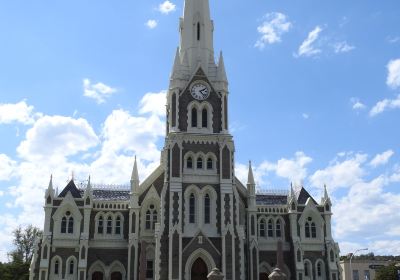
{"x": 151, "y": 23}
{"x": 272, "y": 29}
{"x": 167, "y": 7}
{"x": 19, "y": 112}
{"x": 393, "y": 40}
{"x": 393, "y": 78}
{"x": 154, "y": 103}
{"x": 99, "y": 91}
{"x": 340, "y": 173}
{"x": 305, "y": 116}
{"x": 308, "y": 48}
{"x": 384, "y": 105}
{"x": 382, "y": 208}
{"x": 55, "y": 136}
{"x": 343, "y": 47}
{"x": 293, "y": 169}
{"x": 381, "y": 159}
{"x": 7, "y": 168}
{"x": 357, "y": 105}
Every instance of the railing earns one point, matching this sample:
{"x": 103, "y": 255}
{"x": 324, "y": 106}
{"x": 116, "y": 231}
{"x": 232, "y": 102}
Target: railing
{"x": 272, "y": 192}
{"x": 108, "y": 187}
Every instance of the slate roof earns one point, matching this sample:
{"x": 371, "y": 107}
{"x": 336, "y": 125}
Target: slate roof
{"x": 303, "y": 196}
{"x": 109, "y": 194}
{"x": 71, "y": 187}
{"x": 270, "y": 199}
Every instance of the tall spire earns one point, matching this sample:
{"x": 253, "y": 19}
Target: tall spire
{"x": 50, "y": 187}
{"x": 221, "y": 73}
{"x": 251, "y": 188}
{"x": 196, "y": 28}
{"x": 50, "y": 190}
{"x": 250, "y": 177}
{"x": 135, "y": 177}
{"x": 326, "y": 196}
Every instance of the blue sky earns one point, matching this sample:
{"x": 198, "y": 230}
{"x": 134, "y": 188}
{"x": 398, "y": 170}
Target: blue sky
{"x": 314, "y": 99}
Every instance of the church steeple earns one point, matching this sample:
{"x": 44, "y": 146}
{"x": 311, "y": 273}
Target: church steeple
{"x": 196, "y": 28}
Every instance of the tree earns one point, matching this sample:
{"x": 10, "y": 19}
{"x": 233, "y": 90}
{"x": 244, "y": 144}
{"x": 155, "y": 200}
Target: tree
{"x": 24, "y": 241}
{"x": 387, "y": 273}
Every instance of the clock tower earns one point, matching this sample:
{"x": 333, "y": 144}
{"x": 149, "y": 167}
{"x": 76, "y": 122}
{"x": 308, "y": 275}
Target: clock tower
{"x": 200, "y": 204}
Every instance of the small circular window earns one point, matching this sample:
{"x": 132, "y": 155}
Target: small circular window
{"x": 68, "y": 213}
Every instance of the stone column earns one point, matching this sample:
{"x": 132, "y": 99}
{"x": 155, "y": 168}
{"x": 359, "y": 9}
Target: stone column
{"x": 277, "y": 273}
{"x": 143, "y": 263}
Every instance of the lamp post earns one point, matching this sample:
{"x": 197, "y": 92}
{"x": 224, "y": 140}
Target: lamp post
{"x": 351, "y": 268}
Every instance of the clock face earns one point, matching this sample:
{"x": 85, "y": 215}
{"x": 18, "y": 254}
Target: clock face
{"x": 200, "y": 91}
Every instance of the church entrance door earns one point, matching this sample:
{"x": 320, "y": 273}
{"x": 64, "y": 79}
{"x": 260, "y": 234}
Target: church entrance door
{"x": 199, "y": 270}
{"x": 116, "y": 276}
{"x": 97, "y": 276}
{"x": 263, "y": 276}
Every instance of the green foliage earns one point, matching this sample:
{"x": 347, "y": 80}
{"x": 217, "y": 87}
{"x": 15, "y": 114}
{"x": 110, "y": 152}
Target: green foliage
{"x": 387, "y": 273}
{"x": 21, "y": 256}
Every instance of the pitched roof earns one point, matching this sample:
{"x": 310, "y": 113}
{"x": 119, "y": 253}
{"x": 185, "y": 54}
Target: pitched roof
{"x": 71, "y": 187}
{"x": 303, "y": 196}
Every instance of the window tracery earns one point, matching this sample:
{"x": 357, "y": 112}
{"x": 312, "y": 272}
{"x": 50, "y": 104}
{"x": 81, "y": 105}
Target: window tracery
{"x": 67, "y": 223}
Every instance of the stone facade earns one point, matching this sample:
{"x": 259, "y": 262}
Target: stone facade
{"x": 191, "y": 214}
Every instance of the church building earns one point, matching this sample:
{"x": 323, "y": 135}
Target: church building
{"x": 192, "y": 214}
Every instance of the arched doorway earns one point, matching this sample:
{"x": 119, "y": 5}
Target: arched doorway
{"x": 116, "y": 275}
{"x": 263, "y": 276}
{"x": 97, "y": 275}
{"x": 199, "y": 270}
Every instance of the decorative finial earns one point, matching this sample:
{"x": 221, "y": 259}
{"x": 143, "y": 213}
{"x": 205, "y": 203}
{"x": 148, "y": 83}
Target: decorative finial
{"x": 135, "y": 176}
{"x": 250, "y": 178}
{"x": 51, "y": 182}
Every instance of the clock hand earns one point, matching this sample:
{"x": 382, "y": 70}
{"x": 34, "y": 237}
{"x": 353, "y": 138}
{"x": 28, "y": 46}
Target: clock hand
{"x": 202, "y": 91}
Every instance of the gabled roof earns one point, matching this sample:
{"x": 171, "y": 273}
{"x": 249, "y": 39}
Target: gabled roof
{"x": 71, "y": 187}
{"x": 303, "y": 196}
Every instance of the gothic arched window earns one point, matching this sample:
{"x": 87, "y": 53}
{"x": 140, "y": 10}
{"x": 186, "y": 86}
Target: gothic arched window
{"x": 313, "y": 230}
{"x": 151, "y": 218}
{"x": 148, "y": 219}
{"x": 56, "y": 267}
{"x": 209, "y": 164}
{"x": 192, "y": 208}
{"x": 189, "y": 163}
{"x": 306, "y": 269}
{"x": 307, "y": 230}
{"x": 270, "y": 228}
{"x": 298, "y": 256}
{"x": 71, "y": 267}
{"x": 332, "y": 256}
{"x": 204, "y": 118}
{"x": 100, "y": 225}
{"x": 198, "y": 31}
{"x": 319, "y": 269}
{"x": 199, "y": 163}
{"x": 109, "y": 225}
{"x": 71, "y": 225}
{"x": 207, "y": 209}
{"x": 278, "y": 229}
{"x": 118, "y": 225}
{"x": 194, "y": 117}
{"x": 262, "y": 228}
{"x": 154, "y": 219}
{"x": 64, "y": 225}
